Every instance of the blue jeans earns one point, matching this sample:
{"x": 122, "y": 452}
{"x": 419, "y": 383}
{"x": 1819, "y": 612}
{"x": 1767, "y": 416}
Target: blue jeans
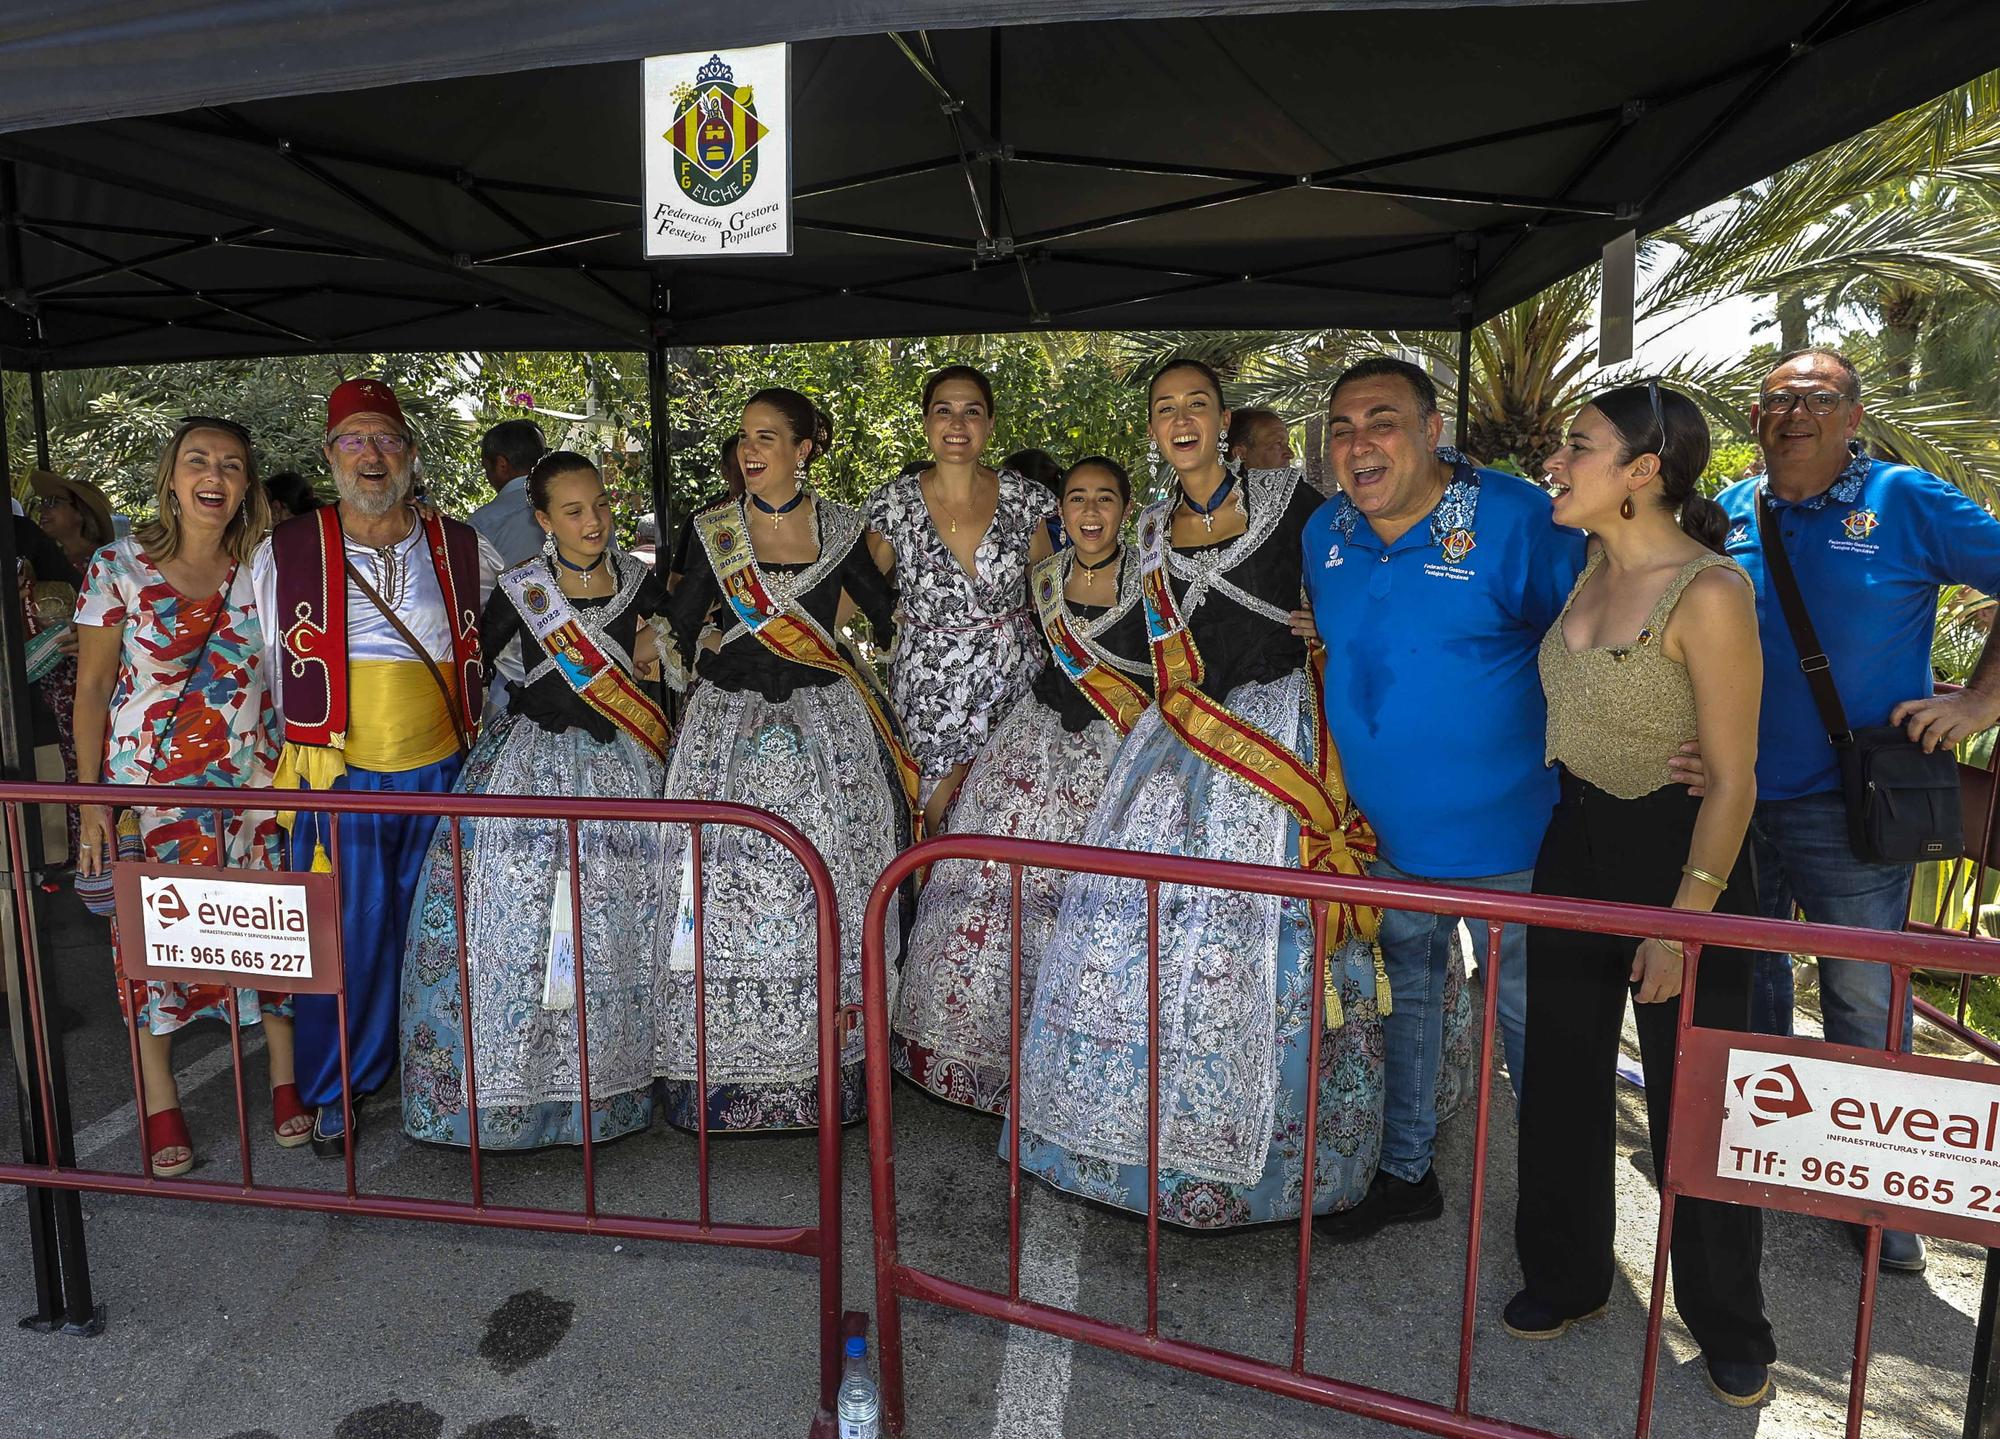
{"x": 1415, "y": 950}
{"x": 1803, "y": 860}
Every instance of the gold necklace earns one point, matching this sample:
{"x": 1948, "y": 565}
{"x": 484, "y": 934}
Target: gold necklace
{"x": 938, "y": 492}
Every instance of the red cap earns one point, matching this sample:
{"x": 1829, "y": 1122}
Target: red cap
{"x": 359, "y": 397}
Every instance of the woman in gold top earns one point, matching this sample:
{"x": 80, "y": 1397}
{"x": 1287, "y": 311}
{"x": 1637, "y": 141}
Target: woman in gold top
{"x": 1657, "y": 645}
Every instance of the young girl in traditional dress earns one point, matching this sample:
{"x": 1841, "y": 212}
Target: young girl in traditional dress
{"x": 170, "y": 690}
{"x": 1038, "y": 778}
{"x": 567, "y": 628}
{"x": 960, "y": 537}
{"x": 1231, "y": 763}
{"x": 780, "y": 719}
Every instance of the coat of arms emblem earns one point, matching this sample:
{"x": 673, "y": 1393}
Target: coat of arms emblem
{"x": 715, "y": 135}
{"x": 1859, "y": 524}
{"x": 1457, "y": 545}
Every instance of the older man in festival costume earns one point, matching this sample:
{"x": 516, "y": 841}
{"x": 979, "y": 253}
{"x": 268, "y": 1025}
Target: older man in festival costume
{"x": 373, "y": 617}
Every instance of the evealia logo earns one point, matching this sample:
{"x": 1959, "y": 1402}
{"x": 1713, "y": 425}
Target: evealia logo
{"x": 166, "y": 906}
{"x": 1773, "y": 1095}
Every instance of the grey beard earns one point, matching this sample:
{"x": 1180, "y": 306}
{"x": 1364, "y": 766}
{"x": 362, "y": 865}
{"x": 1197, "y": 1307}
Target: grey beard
{"x": 370, "y": 504}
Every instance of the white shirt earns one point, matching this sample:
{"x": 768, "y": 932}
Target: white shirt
{"x": 508, "y": 520}
{"x": 370, "y": 636}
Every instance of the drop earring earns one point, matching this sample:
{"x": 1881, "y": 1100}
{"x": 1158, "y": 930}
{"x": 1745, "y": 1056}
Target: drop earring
{"x": 1625, "y": 510}
{"x": 549, "y": 543}
{"x": 799, "y": 474}
{"x": 1153, "y": 452}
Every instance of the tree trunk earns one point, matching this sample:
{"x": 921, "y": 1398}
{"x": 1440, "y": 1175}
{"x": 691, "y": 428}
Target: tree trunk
{"x": 1794, "y": 322}
{"x": 1903, "y": 314}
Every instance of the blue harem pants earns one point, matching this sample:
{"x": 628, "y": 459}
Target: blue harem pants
{"x": 380, "y": 861}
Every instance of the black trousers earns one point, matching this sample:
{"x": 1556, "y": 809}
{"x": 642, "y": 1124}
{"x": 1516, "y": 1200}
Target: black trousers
{"x": 1601, "y": 847}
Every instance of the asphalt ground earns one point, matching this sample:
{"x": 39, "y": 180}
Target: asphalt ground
{"x": 237, "y": 1323}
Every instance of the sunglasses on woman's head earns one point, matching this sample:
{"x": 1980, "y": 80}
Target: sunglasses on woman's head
{"x": 212, "y": 422}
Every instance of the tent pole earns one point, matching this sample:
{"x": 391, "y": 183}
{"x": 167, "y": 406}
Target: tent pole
{"x": 38, "y": 406}
{"x": 659, "y": 423}
{"x": 55, "y": 1217}
{"x": 62, "y": 1275}
{"x": 1464, "y": 387}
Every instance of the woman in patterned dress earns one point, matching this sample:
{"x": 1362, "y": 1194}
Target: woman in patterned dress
{"x": 1220, "y": 567}
{"x": 605, "y": 739}
{"x": 778, "y": 719}
{"x": 1039, "y": 777}
{"x": 170, "y": 690}
{"x": 960, "y": 537}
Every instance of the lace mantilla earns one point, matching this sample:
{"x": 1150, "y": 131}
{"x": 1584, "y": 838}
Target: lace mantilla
{"x": 1088, "y": 630}
{"x": 1269, "y": 493}
{"x": 839, "y": 528}
{"x": 596, "y": 619}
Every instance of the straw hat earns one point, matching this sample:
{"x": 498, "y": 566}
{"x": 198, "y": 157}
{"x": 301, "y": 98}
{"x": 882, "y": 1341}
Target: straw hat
{"x": 87, "y": 497}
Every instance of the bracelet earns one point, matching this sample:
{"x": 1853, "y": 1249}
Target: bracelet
{"x": 1679, "y": 949}
{"x": 1718, "y": 885}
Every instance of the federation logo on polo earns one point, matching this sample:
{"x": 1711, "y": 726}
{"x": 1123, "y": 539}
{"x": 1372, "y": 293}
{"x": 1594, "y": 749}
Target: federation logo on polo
{"x": 1334, "y": 558}
{"x": 1859, "y": 524}
{"x": 1457, "y": 545}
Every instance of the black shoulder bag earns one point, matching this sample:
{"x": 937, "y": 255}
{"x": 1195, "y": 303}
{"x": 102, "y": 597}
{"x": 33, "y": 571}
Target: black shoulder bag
{"x": 1902, "y": 804}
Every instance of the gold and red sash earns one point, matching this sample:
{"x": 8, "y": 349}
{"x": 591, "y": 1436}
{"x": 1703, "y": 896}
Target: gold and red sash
{"x": 1119, "y": 698}
{"x": 1334, "y": 837}
{"x": 788, "y": 631}
{"x": 598, "y": 679}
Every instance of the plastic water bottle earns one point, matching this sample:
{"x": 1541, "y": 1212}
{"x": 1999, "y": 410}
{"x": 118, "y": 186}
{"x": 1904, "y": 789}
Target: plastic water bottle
{"x": 859, "y": 1408}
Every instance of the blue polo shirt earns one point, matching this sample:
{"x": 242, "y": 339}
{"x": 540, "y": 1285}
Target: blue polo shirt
{"x": 1870, "y": 554}
{"x": 1432, "y": 691}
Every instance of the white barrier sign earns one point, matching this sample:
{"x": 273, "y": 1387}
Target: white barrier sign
{"x": 1863, "y": 1133}
{"x": 717, "y": 149}
{"x": 258, "y": 931}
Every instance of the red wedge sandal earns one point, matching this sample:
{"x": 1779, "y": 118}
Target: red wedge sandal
{"x": 167, "y": 1131}
{"x": 287, "y": 1108}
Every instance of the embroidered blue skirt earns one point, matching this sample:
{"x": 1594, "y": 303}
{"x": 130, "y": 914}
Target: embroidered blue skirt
{"x": 1235, "y": 1007}
{"x": 524, "y": 1031}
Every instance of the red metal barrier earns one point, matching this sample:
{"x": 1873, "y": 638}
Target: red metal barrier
{"x": 819, "y": 1240}
{"x": 896, "y": 1280}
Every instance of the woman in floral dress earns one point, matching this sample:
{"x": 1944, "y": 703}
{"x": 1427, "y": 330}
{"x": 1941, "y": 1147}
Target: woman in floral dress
{"x": 960, "y": 537}
{"x": 170, "y": 691}
{"x": 1039, "y": 777}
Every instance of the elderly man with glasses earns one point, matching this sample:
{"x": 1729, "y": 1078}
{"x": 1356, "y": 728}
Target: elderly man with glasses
{"x": 376, "y": 664}
{"x": 1870, "y": 542}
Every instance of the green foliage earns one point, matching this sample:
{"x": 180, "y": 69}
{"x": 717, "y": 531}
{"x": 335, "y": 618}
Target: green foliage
{"x": 107, "y": 425}
{"x": 1728, "y": 462}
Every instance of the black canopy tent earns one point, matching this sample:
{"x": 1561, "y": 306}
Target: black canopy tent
{"x": 1201, "y": 165}
{"x": 209, "y": 179}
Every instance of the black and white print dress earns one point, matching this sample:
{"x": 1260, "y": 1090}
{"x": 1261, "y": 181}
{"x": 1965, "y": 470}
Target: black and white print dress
{"x": 967, "y": 646}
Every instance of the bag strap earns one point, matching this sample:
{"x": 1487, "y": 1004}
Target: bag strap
{"x": 450, "y": 701}
{"x": 1812, "y": 656}
{"x": 200, "y": 655}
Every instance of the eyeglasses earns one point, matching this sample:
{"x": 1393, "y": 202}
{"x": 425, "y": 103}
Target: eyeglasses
{"x": 1783, "y": 402}
{"x": 355, "y": 444}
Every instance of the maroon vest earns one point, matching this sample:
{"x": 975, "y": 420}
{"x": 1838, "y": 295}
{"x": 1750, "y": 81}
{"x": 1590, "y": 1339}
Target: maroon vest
{"x": 310, "y": 558}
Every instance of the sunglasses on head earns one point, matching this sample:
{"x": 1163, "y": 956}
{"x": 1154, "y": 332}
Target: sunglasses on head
{"x": 192, "y": 423}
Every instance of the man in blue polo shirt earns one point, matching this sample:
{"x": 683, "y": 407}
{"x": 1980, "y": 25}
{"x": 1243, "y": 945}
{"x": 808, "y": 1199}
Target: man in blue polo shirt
{"x": 1432, "y": 583}
{"x": 1870, "y": 543}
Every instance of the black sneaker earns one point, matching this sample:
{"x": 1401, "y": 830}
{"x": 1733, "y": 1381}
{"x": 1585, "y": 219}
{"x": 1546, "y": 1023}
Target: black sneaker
{"x": 1526, "y": 1317}
{"x": 1389, "y": 1201}
{"x": 1902, "y": 1251}
{"x": 1739, "y": 1384}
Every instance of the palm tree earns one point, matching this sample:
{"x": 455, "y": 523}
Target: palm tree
{"x": 1898, "y": 226}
